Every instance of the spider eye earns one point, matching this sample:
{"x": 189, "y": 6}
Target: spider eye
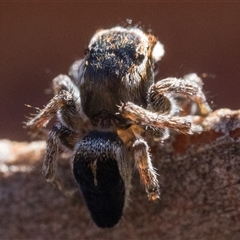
{"x": 97, "y": 167}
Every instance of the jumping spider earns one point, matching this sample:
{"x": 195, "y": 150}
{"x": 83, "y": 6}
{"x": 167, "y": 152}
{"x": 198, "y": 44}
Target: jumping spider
{"x": 105, "y": 108}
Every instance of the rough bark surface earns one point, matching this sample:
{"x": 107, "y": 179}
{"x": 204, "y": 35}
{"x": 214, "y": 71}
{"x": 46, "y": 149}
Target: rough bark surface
{"x": 200, "y": 191}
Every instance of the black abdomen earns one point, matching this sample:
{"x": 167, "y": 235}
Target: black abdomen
{"x": 97, "y": 173}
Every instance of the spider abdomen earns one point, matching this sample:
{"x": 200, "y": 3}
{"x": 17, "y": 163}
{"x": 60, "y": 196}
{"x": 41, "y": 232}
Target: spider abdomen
{"x": 98, "y": 175}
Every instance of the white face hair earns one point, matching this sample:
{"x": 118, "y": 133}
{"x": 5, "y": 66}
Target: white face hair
{"x": 158, "y": 51}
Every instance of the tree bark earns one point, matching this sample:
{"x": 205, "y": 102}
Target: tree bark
{"x": 200, "y": 190}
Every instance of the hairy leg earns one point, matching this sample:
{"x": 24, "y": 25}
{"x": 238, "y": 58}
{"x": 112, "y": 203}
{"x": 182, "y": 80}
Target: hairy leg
{"x": 188, "y": 87}
{"x": 66, "y": 104}
{"x": 63, "y": 82}
{"x": 63, "y": 105}
{"x": 147, "y": 173}
{"x": 143, "y": 117}
{"x": 59, "y": 136}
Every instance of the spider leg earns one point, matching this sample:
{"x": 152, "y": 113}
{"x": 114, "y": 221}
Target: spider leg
{"x": 188, "y": 87}
{"x": 63, "y": 100}
{"x": 147, "y": 173}
{"x": 74, "y": 115}
{"x": 58, "y": 136}
{"x": 146, "y": 118}
{"x": 63, "y": 82}
{"x": 66, "y": 104}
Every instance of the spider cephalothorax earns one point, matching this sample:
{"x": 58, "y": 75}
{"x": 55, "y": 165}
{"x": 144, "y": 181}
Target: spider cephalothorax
{"x": 104, "y": 108}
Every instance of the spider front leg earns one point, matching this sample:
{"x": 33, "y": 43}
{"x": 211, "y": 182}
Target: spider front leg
{"x": 72, "y": 114}
{"x": 189, "y": 87}
{"x": 145, "y": 118}
{"x": 147, "y": 173}
{"x": 63, "y": 82}
{"x": 63, "y": 99}
{"x": 66, "y": 104}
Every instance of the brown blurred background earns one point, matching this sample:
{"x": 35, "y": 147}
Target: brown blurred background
{"x": 38, "y": 41}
